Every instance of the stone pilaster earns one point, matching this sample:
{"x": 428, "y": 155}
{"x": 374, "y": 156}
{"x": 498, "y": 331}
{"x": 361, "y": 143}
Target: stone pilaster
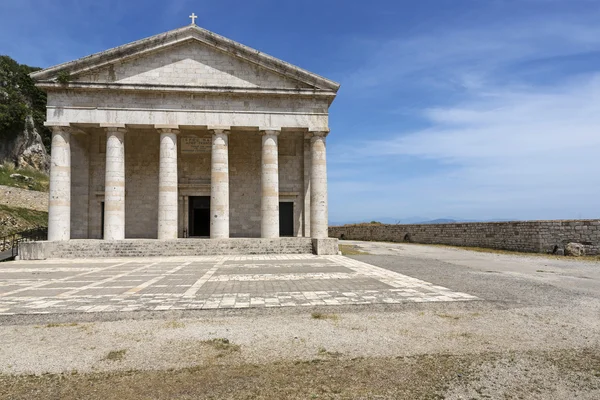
{"x": 219, "y": 185}
{"x": 269, "y": 206}
{"x": 318, "y": 186}
{"x": 114, "y": 185}
{"x": 59, "y": 205}
{"x": 167, "y": 185}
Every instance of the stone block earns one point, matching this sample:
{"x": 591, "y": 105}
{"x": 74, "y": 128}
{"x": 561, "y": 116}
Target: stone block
{"x": 328, "y": 246}
{"x": 36, "y": 250}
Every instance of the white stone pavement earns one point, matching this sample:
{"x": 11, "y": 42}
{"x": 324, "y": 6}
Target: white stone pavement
{"x": 152, "y": 284}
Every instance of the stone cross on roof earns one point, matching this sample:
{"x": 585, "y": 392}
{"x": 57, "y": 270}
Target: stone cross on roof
{"x": 193, "y": 17}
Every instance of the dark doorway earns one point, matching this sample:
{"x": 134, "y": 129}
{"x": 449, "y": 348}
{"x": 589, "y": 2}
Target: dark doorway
{"x": 199, "y": 222}
{"x": 286, "y": 218}
{"x": 102, "y": 220}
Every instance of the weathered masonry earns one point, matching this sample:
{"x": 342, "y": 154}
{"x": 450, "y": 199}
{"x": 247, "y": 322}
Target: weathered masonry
{"x": 186, "y": 134}
{"x": 526, "y": 236}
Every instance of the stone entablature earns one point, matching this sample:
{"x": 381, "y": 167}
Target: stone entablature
{"x": 525, "y": 236}
{"x": 142, "y": 129}
{"x": 187, "y": 77}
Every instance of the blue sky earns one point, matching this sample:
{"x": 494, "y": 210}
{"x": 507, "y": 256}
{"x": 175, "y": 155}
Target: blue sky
{"x": 472, "y": 109}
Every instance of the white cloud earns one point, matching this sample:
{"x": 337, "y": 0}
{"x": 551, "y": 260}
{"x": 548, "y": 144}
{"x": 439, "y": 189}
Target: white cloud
{"x": 465, "y": 57}
{"x": 509, "y": 148}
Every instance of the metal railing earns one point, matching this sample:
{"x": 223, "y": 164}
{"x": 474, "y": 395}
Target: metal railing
{"x": 9, "y": 245}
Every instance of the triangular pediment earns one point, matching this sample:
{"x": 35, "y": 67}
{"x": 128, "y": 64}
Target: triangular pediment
{"x": 187, "y": 57}
{"x": 191, "y": 63}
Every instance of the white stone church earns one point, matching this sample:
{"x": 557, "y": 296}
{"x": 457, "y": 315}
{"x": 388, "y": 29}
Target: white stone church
{"x": 184, "y": 135}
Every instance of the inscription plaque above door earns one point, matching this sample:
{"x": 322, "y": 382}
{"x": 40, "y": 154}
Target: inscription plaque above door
{"x": 195, "y": 144}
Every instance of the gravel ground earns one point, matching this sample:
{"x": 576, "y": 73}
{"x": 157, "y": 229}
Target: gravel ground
{"x": 534, "y": 335}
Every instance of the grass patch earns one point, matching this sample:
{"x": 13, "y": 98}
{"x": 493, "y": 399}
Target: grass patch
{"x": 351, "y": 250}
{"x": 422, "y": 377}
{"x": 39, "y": 180}
{"x": 416, "y": 378}
{"x": 325, "y": 352}
{"x": 116, "y": 355}
{"x": 222, "y": 344}
{"x": 53, "y": 325}
{"x": 448, "y": 316}
{"x": 318, "y": 315}
{"x": 17, "y": 219}
{"x": 174, "y": 324}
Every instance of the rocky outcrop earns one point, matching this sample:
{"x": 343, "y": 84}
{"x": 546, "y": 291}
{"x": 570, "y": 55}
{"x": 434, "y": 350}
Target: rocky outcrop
{"x": 24, "y": 139}
{"x": 574, "y": 249}
{"x": 26, "y": 149}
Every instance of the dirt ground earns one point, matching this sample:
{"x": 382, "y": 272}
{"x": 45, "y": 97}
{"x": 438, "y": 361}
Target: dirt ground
{"x": 534, "y": 334}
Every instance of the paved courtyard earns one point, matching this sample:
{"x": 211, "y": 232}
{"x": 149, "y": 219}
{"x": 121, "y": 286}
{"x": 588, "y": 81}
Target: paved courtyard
{"x": 206, "y": 283}
{"x": 533, "y": 327}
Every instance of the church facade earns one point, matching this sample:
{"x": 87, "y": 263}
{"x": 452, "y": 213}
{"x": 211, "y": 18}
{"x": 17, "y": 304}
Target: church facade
{"x": 186, "y": 134}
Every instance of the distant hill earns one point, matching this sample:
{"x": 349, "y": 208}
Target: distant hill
{"x": 418, "y": 220}
{"x": 440, "y": 221}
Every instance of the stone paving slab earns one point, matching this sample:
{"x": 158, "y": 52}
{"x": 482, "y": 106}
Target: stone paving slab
{"x": 206, "y": 283}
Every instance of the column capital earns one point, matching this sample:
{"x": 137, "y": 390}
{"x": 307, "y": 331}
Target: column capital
{"x": 60, "y": 128}
{"x": 219, "y": 131}
{"x": 219, "y": 128}
{"x": 272, "y": 132}
{"x": 317, "y": 133}
{"x": 114, "y": 128}
{"x": 167, "y": 130}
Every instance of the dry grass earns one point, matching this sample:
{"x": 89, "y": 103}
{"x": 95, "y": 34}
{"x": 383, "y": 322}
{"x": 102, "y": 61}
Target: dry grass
{"x": 54, "y": 325}
{"x": 40, "y": 181}
{"x": 116, "y": 355}
{"x": 322, "y": 378}
{"x": 425, "y": 377}
{"x": 17, "y": 219}
{"x": 448, "y": 316}
{"x": 319, "y": 315}
{"x": 174, "y": 324}
{"x": 222, "y": 345}
{"x": 351, "y": 250}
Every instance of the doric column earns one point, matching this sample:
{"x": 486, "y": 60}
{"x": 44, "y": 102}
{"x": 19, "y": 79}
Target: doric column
{"x": 167, "y": 184}
{"x": 114, "y": 185}
{"x": 306, "y": 192}
{"x": 59, "y": 205}
{"x": 219, "y": 185}
{"x": 269, "y": 206}
{"x": 318, "y": 186}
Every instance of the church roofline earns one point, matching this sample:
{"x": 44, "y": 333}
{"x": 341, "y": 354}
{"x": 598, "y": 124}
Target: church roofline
{"x": 180, "y": 35}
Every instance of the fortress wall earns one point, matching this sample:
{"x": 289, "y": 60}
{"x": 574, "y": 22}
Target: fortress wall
{"x": 524, "y": 236}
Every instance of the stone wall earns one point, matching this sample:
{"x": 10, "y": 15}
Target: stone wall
{"x": 525, "y": 236}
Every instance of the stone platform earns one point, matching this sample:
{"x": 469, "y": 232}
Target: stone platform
{"x": 92, "y": 248}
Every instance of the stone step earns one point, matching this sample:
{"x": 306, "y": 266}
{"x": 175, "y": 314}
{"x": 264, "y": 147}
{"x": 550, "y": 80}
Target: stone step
{"x": 91, "y": 248}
